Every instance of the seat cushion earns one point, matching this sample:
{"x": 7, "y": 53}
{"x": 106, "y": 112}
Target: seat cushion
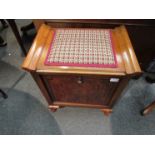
{"x": 82, "y": 48}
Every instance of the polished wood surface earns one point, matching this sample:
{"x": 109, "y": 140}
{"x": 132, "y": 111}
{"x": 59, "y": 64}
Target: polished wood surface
{"x": 34, "y": 53}
{"x": 126, "y": 58}
{"x": 81, "y": 86}
{"x": 141, "y": 32}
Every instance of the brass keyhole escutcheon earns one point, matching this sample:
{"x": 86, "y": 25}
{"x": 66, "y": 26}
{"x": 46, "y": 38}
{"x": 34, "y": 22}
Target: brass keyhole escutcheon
{"x": 80, "y": 80}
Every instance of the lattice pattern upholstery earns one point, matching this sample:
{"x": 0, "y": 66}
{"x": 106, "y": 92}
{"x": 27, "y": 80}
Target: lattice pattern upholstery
{"x": 82, "y": 47}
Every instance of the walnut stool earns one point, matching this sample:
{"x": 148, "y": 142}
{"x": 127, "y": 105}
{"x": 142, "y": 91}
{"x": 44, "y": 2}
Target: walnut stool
{"x": 81, "y": 67}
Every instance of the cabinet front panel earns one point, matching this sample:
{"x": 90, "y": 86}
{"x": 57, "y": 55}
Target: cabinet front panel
{"x": 76, "y": 89}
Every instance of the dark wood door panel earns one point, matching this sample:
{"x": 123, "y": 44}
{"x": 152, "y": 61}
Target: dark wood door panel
{"x": 84, "y": 90}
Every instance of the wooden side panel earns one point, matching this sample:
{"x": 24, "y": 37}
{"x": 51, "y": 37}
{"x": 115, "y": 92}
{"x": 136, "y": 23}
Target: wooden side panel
{"x": 39, "y": 80}
{"x": 128, "y": 54}
{"x": 119, "y": 89}
{"x": 30, "y": 63}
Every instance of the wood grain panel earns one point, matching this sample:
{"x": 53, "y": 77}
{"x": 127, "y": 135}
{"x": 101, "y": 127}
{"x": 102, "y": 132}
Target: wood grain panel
{"x": 87, "y": 90}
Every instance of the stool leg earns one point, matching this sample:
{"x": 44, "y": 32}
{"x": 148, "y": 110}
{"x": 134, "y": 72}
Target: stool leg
{"x": 4, "y": 23}
{"x": 148, "y": 109}
{"x": 106, "y": 112}
{"x": 2, "y": 42}
{"x": 3, "y": 94}
{"x": 53, "y": 108}
{"x": 17, "y": 35}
